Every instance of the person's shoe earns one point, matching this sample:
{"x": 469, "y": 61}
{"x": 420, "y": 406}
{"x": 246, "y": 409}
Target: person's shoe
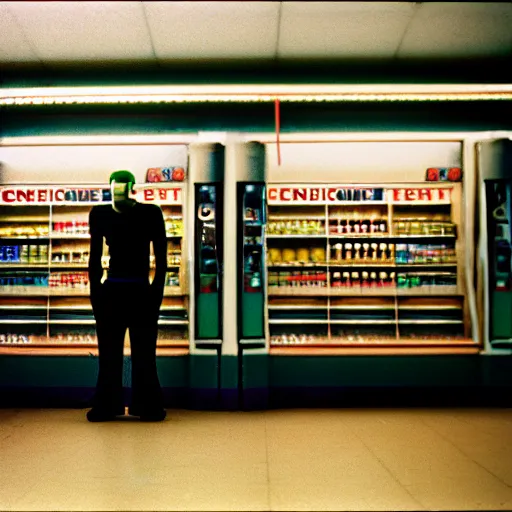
{"x": 154, "y": 416}
{"x": 96, "y": 415}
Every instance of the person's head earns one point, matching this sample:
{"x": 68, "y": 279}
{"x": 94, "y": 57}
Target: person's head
{"x": 121, "y": 185}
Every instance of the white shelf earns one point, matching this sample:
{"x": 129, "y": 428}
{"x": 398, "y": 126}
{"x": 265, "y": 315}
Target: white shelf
{"x": 385, "y": 236}
{"x": 298, "y": 292}
{"x": 363, "y": 264}
{"x": 300, "y": 322}
{"x": 14, "y": 307}
{"x": 349, "y": 236}
{"x": 70, "y": 236}
{"x": 297, "y": 265}
{"x": 24, "y": 237}
{"x": 18, "y": 322}
{"x": 58, "y": 266}
{"x": 422, "y": 236}
{"x": 23, "y": 265}
{"x": 173, "y": 322}
{"x": 24, "y": 291}
{"x": 430, "y": 322}
{"x": 296, "y": 236}
{"x": 73, "y": 292}
{"x": 370, "y": 307}
{"x": 428, "y": 308}
{"x": 282, "y": 218}
{"x": 363, "y": 292}
{"x": 72, "y": 322}
{"x": 71, "y": 307}
{"x": 296, "y": 307}
{"x": 364, "y": 322}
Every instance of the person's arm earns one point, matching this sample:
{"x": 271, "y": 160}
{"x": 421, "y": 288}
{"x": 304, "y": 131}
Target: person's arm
{"x": 159, "y": 240}
{"x": 95, "y": 253}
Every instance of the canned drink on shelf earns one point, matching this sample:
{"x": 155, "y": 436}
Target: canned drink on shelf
{"x": 415, "y": 281}
{"x": 402, "y": 281}
{"x": 33, "y": 253}
{"x": 43, "y": 253}
{"x": 24, "y": 253}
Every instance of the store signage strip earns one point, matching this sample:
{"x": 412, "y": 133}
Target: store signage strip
{"x": 283, "y": 194}
{"x": 15, "y": 196}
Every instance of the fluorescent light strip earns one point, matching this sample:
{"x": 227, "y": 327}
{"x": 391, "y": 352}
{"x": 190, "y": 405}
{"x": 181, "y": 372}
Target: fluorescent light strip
{"x": 254, "y": 93}
{"x": 103, "y": 140}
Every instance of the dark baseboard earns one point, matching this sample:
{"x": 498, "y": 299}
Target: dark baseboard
{"x": 389, "y": 397}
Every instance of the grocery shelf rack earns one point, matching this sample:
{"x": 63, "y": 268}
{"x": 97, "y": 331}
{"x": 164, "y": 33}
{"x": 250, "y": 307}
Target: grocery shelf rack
{"x": 383, "y": 272}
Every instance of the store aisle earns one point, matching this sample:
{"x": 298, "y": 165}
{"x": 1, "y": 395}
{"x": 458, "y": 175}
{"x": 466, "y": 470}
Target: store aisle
{"x": 353, "y": 459}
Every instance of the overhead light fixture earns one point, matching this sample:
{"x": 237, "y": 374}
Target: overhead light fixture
{"x": 253, "y": 94}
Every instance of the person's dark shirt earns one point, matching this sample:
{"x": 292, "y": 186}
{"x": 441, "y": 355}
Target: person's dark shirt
{"x": 128, "y": 236}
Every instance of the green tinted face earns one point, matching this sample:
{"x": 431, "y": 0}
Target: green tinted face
{"x": 121, "y": 199}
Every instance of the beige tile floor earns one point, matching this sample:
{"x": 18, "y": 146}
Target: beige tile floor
{"x": 349, "y": 459}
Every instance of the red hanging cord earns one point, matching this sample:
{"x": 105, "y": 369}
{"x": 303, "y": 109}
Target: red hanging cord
{"x": 278, "y": 128}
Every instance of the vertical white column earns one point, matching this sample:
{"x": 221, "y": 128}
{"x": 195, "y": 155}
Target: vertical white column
{"x": 469, "y": 216}
{"x": 200, "y": 170}
{"x": 230, "y": 306}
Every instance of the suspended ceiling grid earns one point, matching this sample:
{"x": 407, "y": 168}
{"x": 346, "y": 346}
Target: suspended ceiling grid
{"x": 48, "y": 34}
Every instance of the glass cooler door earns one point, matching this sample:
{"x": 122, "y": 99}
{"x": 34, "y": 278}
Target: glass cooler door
{"x": 251, "y": 296}
{"x": 499, "y": 252}
{"x": 208, "y": 261}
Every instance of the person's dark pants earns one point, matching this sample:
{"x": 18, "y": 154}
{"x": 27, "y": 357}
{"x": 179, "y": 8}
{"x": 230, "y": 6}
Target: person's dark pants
{"x": 122, "y": 306}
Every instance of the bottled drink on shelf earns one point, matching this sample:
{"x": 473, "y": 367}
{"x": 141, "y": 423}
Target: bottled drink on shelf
{"x": 366, "y": 250}
{"x": 15, "y": 339}
{"x": 383, "y": 279}
{"x": 355, "y": 281}
{"x": 348, "y": 251}
{"x": 374, "y": 246}
{"x": 339, "y": 252}
{"x": 383, "y": 254}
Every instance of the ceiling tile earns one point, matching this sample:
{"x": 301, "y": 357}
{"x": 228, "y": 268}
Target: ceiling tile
{"x": 206, "y": 30}
{"x": 85, "y": 30}
{"x": 459, "y": 29}
{"x": 342, "y": 29}
{"x": 14, "y": 46}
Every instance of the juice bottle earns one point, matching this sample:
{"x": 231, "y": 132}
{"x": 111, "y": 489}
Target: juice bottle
{"x": 357, "y": 254}
{"x": 339, "y": 251}
{"x": 366, "y": 248}
{"x": 348, "y": 251}
{"x": 383, "y": 255}
{"x": 374, "y": 247}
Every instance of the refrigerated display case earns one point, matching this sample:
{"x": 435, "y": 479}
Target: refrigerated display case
{"x": 495, "y": 173}
{"x": 251, "y": 275}
{"x": 208, "y": 261}
{"x": 367, "y": 266}
{"x": 44, "y": 244}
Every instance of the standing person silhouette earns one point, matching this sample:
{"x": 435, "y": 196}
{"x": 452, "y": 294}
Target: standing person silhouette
{"x": 127, "y": 300}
